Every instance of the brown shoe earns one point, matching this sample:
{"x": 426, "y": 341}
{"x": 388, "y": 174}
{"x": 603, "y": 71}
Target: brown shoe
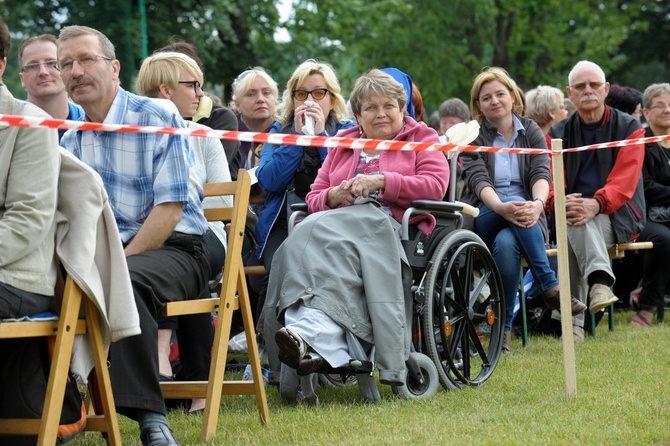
{"x": 507, "y": 342}
{"x": 554, "y": 302}
{"x": 601, "y": 298}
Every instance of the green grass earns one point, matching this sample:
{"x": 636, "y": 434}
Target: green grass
{"x": 623, "y": 398}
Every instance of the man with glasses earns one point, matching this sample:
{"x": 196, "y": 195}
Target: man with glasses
{"x": 157, "y": 203}
{"x": 40, "y": 77}
{"x": 604, "y": 192}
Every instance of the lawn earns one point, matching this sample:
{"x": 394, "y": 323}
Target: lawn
{"x": 623, "y": 398}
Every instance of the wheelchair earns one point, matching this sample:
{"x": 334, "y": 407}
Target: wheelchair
{"x": 458, "y": 310}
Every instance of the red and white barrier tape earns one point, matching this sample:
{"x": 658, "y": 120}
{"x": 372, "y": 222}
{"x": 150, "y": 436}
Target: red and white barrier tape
{"x": 298, "y": 140}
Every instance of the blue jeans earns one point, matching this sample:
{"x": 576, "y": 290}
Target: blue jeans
{"x": 508, "y": 242}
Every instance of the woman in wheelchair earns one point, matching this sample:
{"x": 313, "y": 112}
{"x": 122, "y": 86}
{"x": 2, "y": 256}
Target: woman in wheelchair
{"x": 343, "y": 268}
{"x": 511, "y": 189}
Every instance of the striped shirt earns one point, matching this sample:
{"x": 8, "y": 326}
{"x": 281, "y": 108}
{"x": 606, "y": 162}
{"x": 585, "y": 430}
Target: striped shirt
{"x": 141, "y": 170}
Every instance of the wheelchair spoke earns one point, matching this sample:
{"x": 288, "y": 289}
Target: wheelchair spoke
{"x": 463, "y": 311}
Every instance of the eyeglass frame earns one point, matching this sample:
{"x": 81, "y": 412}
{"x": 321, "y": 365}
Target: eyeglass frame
{"x": 581, "y": 86}
{"x": 35, "y": 67}
{"x": 660, "y": 107}
{"x": 66, "y": 65}
{"x": 195, "y": 84}
{"x": 307, "y": 93}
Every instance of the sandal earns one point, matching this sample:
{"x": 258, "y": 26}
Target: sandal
{"x": 640, "y": 320}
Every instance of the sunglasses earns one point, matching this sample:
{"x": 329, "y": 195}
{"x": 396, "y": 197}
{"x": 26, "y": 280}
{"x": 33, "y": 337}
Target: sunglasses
{"x": 317, "y": 94}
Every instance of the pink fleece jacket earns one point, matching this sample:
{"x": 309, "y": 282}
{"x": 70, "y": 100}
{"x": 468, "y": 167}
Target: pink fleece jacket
{"x": 408, "y": 175}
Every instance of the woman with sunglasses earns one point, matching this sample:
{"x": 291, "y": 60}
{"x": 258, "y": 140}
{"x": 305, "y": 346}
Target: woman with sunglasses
{"x": 311, "y": 104}
{"x": 178, "y": 78}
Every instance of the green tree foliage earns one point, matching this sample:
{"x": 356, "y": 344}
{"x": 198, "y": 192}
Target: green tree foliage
{"x": 441, "y": 44}
{"x": 646, "y": 48}
{"x": 229, "y": 34}
{"x": 444, "y": 44}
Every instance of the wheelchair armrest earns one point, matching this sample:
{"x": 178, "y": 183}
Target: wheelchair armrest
{"x": 445, "y": 206}
{"x": 438, "y": 209}
{"x": 299, "y": 207}
{"x": 299, "y": 212}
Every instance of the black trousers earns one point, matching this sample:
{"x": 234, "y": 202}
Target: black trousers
{"x": 178, "y": 270}
{"x": 195, "y": 332}
{"x": 15, "y": 302}
{"x": 656, "y": 264}
{"x": 278, "y": 234}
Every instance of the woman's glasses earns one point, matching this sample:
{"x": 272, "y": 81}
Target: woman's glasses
{"x": 317, "y": 94}
{"x": 194, "y": 84}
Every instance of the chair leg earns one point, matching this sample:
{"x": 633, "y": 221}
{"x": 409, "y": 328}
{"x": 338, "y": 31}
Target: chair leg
{"x": 522, "y": 303}
{"x": 254, "y": 353}
{"x": 102, "y": 376}
{"x": 60, "y": 364}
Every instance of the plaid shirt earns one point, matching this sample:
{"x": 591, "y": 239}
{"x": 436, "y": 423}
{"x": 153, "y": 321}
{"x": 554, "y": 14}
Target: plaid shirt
{"x": 140, "y": 170}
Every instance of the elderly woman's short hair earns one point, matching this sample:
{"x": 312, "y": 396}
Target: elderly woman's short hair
{"x": 302, "y": 72}
{"x": 376, "y": 83}
{"x": 164, "y": 68}
{"x": 456, "y": 108}
{"x": 490, "y": 74}
{"x": 541, "y": 101}
{"x": 245, "y": 80}
{"x": 653, "y": 91}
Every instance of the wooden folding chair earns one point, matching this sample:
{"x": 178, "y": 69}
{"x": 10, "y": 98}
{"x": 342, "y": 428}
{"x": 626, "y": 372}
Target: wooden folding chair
{"x": 234, "y": 296}
{"x": 65, "y": 329}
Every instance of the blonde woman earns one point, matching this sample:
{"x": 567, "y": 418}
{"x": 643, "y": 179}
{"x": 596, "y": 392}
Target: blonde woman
{"x": 546, "y": 106}
{"x": 286, "y": 172}
{"x": 178, "y": 78}
{"x": 254, "y": 100}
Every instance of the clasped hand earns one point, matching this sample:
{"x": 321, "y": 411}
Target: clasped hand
{"x": 522, "y": 213}
{"x": 579, "y": 210}
{"x": 359, "y": 186}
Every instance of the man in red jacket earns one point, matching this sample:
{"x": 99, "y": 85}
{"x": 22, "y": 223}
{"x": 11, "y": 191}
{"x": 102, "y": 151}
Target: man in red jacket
{"x": 604, "y": 193}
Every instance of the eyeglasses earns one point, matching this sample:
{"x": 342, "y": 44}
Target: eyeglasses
{"x": 194, "y": 84}
{"x": 660, "y": 107}
{"x": 582, "y": 85}
{"x": 84, "y": 61}
{"x": 35, "y": 67}
{"x": 246, "y": 73}
{"x": 317, "y": 94}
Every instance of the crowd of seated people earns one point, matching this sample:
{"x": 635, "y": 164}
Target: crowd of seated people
{"x": 612, "y": 196}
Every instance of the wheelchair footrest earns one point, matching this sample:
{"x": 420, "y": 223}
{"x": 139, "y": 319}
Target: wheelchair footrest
{"x": 355, "y": 367}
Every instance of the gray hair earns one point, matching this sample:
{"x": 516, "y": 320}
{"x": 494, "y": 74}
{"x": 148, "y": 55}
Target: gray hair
{"x": 376, "y": 82}
{"x": 652, "y": 91}
{"x": 541, "y": 101}
{"x": 586, "y": 64}
{"x": 71, "y": 32}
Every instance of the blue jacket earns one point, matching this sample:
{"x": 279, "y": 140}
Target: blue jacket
{"x": 275, "y": 171}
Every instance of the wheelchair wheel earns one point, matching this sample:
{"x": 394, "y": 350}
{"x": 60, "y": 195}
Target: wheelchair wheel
{"x": 332, "y": 380}
{"x": 463, "y": 316}
{"x": 414, "y": 390}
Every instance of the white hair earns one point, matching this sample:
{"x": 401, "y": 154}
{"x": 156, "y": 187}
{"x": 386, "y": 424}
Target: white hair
{"x": 585, "y": 64}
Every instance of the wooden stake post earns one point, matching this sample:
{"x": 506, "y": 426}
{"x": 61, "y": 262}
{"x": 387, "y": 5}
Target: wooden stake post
{"x": 569, "y": 363}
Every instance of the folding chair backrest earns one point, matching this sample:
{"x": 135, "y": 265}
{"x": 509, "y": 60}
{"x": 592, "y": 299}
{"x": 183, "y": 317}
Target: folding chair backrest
{"x": 234, "y": 296}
